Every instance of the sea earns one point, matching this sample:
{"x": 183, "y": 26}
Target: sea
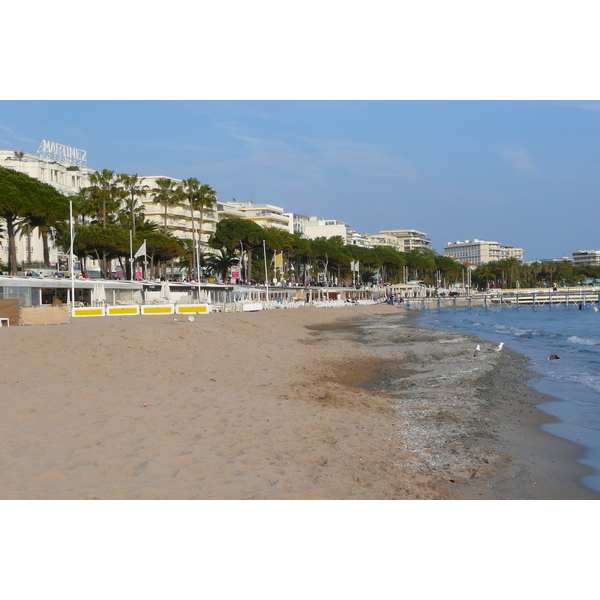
{"x": 571, "y": 333}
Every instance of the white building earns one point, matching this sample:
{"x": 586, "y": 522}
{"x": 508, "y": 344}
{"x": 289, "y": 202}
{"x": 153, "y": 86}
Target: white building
{"x": 556, "y": 260}
{"x": 65, "y": 168}
{"x": 179, "y": 216}
{"x": 358, "y": 239}
{"x": 326, "y": 228}
{"x": 380, "y": 239}
{"x": 265, "y": 215}
{"x": 297, "y": 222}
{"x": 586, "y": 258}
{"x": 511, "y": 252}
{"x": 66, "y": 177}
{"x": 480, "y": 252}
{"x": 406, "y": 239}
{"x": 57, "y": 165}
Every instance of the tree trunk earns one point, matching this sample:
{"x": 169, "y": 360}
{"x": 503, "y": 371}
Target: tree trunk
{"x": 133, "y": 213}
{"x": 44, "y": 232}
{"x": 28, "y": 244}
{"x": 12, "y": 248}
{"x": 195, "y": 267}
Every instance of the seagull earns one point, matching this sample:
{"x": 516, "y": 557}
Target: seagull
{"x": 595, "y": 309}
{"x": 553, "y": 357}
{"x": 477, "y": 351}
{"x": 498, "y": 348}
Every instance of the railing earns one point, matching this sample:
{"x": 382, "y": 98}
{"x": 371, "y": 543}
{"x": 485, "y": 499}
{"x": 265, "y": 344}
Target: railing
{"x": 514, "y": 300}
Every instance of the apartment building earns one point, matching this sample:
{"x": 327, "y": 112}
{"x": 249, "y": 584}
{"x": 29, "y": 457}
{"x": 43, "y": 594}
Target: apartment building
{"x": 380, "y": 239}
{"x": 480, "y": 252}
{"x": 178, "y": 216}
{"x": 511, "y": 252}
{"x": 265, "y": 215}
{"x": 326, "y": 228}
{"x": 297, "y": 222}
{"x": 405, "y": 239}
{"x": 586, "y": 258}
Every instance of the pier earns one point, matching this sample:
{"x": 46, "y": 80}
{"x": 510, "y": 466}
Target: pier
{"x": 564, "y": 298}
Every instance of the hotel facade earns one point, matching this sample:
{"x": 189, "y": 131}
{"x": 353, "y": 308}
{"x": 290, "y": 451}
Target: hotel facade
{"x": 480, "y": 252}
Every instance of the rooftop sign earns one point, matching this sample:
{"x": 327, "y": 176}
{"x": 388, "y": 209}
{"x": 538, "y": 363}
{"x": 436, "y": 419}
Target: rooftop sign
{"x": 63, "y": 154}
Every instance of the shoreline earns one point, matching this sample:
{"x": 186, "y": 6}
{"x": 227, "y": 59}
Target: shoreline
{"x": 308, "y": 403}
{"x": 472, "y": 425}
{"x": 562, "y": 454}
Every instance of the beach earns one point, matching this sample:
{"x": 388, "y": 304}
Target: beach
{"x": 306, "y": 403}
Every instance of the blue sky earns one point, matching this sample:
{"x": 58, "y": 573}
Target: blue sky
{"x": 523, "y": 173}
{"x": 457, "y": 119}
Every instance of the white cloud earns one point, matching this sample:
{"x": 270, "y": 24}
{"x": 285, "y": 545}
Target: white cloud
{"x": 520, "y": 160}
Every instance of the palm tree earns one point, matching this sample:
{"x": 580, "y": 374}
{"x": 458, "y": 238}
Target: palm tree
{"x": 206, "y": 200}
{"x": 190, "y": 190}
{"x": 132, "y": 184}
{"x": 165, "y": 193}
{"x": 564, "y": 271}
{"x": 104, "y": 191}
{"x": 221, "y": 262}
{"x": 511, "y": 265}
{"x": 486, "y": 270}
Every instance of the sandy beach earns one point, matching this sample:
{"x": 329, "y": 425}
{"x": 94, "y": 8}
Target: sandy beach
{"x": 307, "y": 403}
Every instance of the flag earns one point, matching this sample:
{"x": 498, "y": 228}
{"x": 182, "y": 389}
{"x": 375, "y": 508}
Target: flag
{"x": 141, "y": 251}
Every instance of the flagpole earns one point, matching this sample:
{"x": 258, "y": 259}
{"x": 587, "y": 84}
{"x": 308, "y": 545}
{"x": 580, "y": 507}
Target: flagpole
{"x": 72, "y": 261}
{"x": 197, "y": 243}
{"x": 131, "y": 254}
{"x": 266, "y": 273}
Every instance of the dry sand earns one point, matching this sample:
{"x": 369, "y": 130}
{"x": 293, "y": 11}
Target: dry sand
{"x": 349, "y": 403}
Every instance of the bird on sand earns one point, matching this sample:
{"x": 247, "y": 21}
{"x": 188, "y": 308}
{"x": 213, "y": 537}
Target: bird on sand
{"x": 477, "y": 351}
{"x": 553, "y": 357}
{"x": 498, "y": 348}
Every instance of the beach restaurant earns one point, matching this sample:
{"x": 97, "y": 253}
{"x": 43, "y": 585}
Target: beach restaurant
{"x": 44, "y": 291}
{"x": 53, "y": 300}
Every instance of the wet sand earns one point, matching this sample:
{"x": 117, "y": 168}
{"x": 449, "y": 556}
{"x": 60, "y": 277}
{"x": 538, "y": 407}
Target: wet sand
{"x": 349, "y": 403}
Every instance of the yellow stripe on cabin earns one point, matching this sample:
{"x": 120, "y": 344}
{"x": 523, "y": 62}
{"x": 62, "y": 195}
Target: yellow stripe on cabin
{"x": 156, "y": 310}
{"x": 122, "y": 310}
{"x": 88, "y": 312}
{"x": 192, "y": 309}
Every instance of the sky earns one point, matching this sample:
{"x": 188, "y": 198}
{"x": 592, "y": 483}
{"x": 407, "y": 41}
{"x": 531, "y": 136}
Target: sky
{"x": 522, "y": 173}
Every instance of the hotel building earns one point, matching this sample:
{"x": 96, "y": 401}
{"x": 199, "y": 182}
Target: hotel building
{"x": 480, "y": 252}
{"x": 405, "y": 239}
{"x": 586, "y": 258}
{"x": 64, "y": 170}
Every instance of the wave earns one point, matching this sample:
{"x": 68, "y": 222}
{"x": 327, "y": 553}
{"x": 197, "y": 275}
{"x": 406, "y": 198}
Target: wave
{"x": 518, "y": 331}
{"x": 581, "y": 341}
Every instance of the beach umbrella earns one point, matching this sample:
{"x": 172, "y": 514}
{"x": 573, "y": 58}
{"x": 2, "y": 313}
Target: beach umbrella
{"x": 95, "y": 294}
{"x": 165, "y": 292}
{"x": 98, "y": 294}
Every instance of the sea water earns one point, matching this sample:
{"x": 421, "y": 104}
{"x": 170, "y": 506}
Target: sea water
{"x": 571, "y": 333}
